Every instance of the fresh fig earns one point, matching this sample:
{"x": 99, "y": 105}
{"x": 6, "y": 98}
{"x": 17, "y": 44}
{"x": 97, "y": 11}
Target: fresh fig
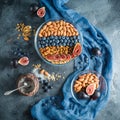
{"x": 72, "y": 56}
{"x": 23, "y": 61}
{"x": 83, "y": 95}
{"x": 63, "y": 57}
{"x": 77, "y": 49}
{"x": 41, "y": 12}
{"x": 90, "y": 89}
{"x": 50, "y": 57}
{"x": 68, "y": 57}
{"x": 96, "y": 95}
{"x": 57, "y": 57}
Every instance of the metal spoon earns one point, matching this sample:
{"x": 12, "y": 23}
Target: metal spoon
{"x": 11, "y": 91}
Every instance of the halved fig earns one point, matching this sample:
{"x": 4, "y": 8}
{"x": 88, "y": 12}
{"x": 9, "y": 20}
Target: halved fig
{"x": 73, "y": 56}
{"x": 41, "y": 12}
{"x": 57, "y": 57}
{"x": 50, "y": 57}
{"x": 68, "y": 57}
{"x": 23, "y": 61}
{"x": 90, "y": 89}
{"x": 63, "y": 57}
{"x": 77, "y": 49}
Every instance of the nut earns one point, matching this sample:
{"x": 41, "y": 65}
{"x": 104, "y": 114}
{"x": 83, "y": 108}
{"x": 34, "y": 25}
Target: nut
{"x": 85, "y": 80}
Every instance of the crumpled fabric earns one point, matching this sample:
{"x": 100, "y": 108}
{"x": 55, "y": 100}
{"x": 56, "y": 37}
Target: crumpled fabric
{"x": 65, "y": 107}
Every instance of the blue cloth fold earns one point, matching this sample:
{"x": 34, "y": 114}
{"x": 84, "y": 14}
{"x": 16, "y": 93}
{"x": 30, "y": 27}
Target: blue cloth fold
{"x": 65, "y": 107}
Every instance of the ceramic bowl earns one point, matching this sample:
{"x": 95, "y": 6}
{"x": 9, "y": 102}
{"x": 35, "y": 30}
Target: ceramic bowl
{"x": 37, "y": 38}
{"x": 102, "y": 85}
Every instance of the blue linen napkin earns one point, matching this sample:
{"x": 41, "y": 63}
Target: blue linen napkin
{"x": 65, "y": 107}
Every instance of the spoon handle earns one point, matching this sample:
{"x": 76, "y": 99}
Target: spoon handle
{"x": 11, "y": 91}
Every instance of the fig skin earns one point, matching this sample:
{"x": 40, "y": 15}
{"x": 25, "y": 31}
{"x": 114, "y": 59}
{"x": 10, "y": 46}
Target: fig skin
{"x": 41, "y": 12}
{"x": 90, "y": 89}
{"x": 77, "y": 49}
{"x": 23, "y": 61}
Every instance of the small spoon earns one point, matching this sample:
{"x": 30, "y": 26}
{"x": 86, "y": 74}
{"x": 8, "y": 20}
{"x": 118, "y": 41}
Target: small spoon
{"x": 11, "y": 91}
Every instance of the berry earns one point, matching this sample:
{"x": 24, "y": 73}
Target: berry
{"x": 44, "y": 87}
{"x": 59, "y": 37}
{"x": 45, "y": 90}
{"x": 76, "y": 40}
{"x": 53, "y": 44}
{"x": 15, "y": 53}
{"x": 67, "y": 38}
{"x": 33, "y": 8}
{"x": 45, "y": 82}
{"x": 60, "y": 44}
{"x": 19, "y": 49}
{"x": 42, "y": 46}
{"x": 51, "y": 37}
{"x": 19, "y": 54}
{"x": 67, "y": 44}
{"x": 48, "y": 38}
{"x": 14, "y": 63}
{"x": 62, "y": 40}
{"x": 50, "y": 41}
{"x": 71, "y": 44}
{"x": 64, "y": 44}
{"x": 53, "y": 40}
{"x": 63, "y": 37}
{"x": 96, "y": 51}
{"x": 56, "y": 37}
{"x": 39, "y": 45}
{"x": 44, "y": 38}
{"x": 46, "y": 45}
{"x": 50, "y": 87}
{"x": 96, "y": 95}
{"x": 57, "y": 41}
{"x": 74, "y": 37}
{"x": 82, "y": 95}
{"x": 43, "y": 42}
{"x": 73, "y": 41}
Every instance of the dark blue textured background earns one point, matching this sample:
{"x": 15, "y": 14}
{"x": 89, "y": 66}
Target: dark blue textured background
{"x": 104, "y": 14}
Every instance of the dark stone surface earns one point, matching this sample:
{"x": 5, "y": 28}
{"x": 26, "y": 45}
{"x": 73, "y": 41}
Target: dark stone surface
{"x": 105, "y": 14}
